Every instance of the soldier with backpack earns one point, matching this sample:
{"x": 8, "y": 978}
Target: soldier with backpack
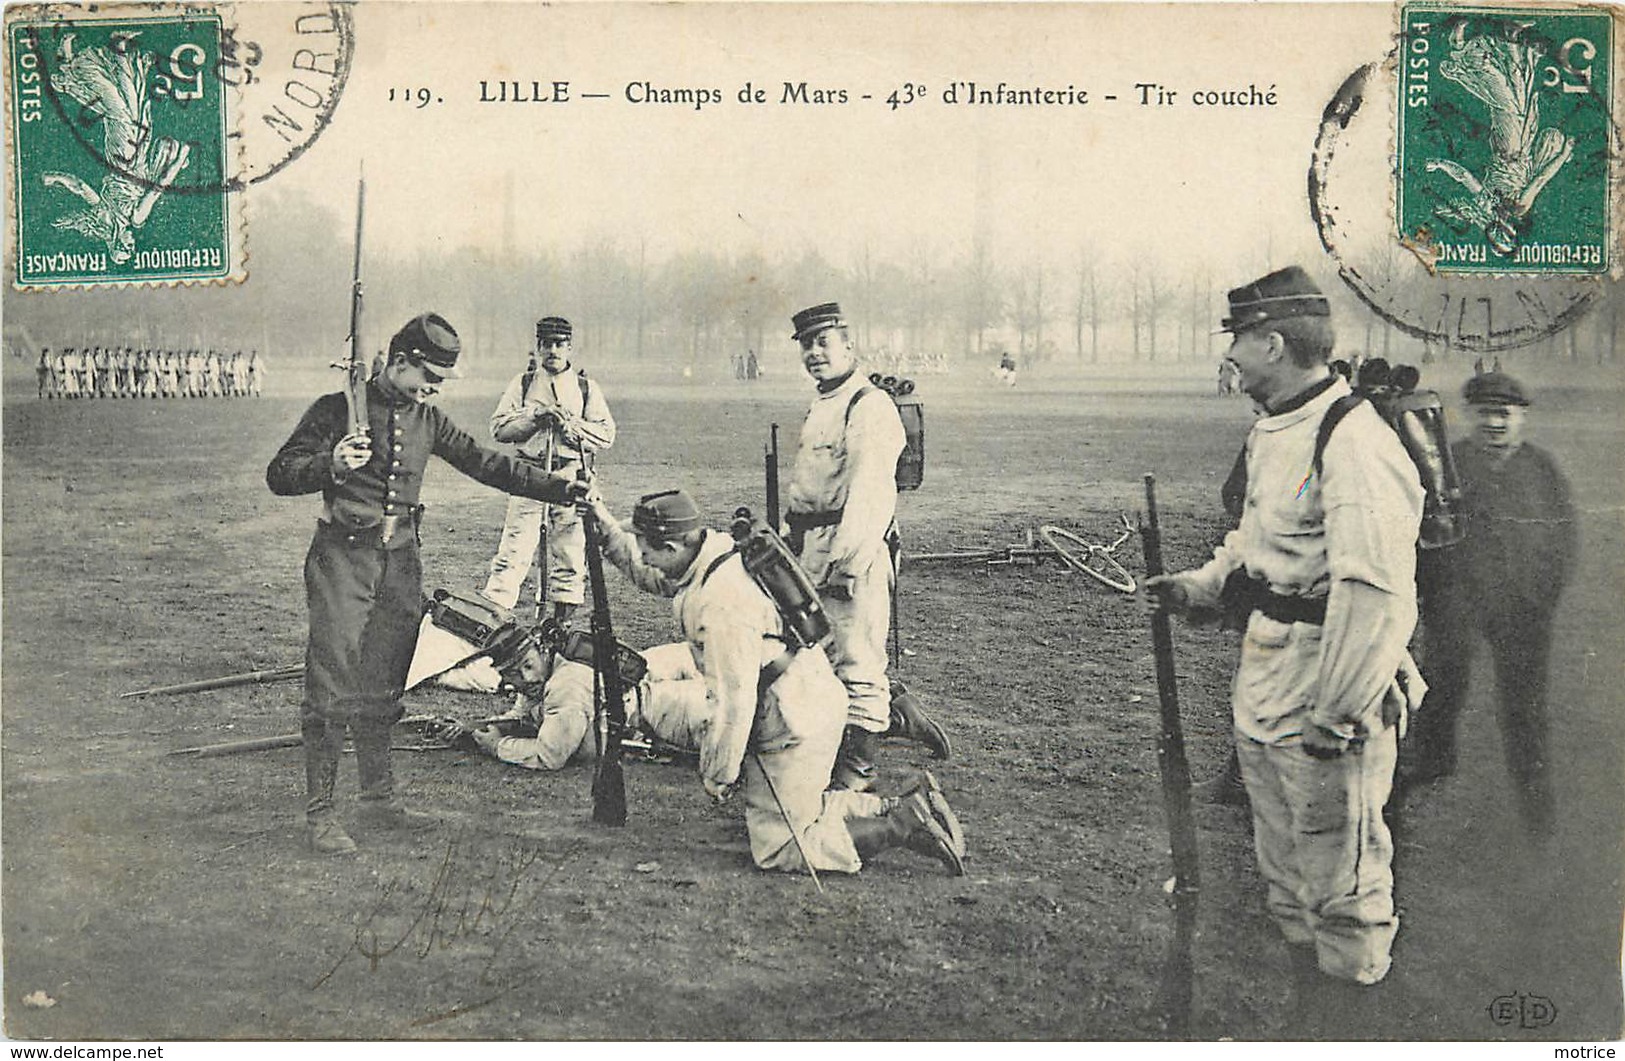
{"x": 841, "y": 512}
{"x": 776, "y": 709}
{"x": 1324, "y": 561}
{"x": 557, "y": 419}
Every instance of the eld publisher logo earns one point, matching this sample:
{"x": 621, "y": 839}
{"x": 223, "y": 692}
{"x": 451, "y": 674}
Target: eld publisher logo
{"x": 1523, "y": 1011}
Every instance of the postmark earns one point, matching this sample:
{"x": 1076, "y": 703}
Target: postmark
{"x": 1503, "y": 138}
{"x": 274, "y": 73}
{"x": 1351, "y": 181}
{"x": 111, "y": 119}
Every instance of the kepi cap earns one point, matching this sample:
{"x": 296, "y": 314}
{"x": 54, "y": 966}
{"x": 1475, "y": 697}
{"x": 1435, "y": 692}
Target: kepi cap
{"x": 666, "y": 515}
{"x": 1281, "y": 295}
{"x": 814, "y": 319}
{"x": 430, "y": 340}
{"x": 1494, "y": 388}
{"x": 553, "y": 328}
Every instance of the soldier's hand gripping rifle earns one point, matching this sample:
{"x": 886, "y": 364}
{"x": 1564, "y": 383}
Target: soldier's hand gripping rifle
{"x": 609, "y": 697}
{"x": 1177, "y": 972}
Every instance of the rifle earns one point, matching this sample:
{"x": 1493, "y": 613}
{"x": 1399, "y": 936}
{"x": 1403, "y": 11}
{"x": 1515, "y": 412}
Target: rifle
{"x": 770, "y": 462}
{"x": 541, "y": 534}
{"x": 286, "y": 740}
{"x": 355, "y": 387}
{"x": 253, "y": 677}
{"x": 609, "y": 698}
{"x": 1177, "y": 971}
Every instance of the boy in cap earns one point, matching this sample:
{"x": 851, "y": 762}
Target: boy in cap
{"x": 776, "y": 712}
{"x": 363, "y": 578}
{"x": 1315, "y": 699}
{"x": 557, "y": 420}
{"x": 1502, "y": 580}
{"x": 840, "y": 510}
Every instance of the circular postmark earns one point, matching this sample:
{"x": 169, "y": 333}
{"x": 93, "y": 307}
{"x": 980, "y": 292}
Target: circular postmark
{"x": 1351, "y": 200}
{"x": 193, "y": 99}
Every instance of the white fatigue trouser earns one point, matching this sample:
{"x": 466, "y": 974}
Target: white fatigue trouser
{"x": 857, "y": 646}
{"x": 792, "y": 753}
{"x": 566, "y": 553}
{"x": 1325, "y": 851}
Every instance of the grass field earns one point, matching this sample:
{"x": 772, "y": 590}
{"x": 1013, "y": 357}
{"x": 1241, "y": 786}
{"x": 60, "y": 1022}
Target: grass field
{"x": 158, "y": 897}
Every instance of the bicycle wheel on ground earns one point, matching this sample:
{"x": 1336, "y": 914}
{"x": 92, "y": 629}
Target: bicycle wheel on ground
{"x": 1088, "y": 559}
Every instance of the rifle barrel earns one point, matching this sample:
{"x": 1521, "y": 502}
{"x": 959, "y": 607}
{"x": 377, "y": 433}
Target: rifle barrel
{"x": 253, "y": 677}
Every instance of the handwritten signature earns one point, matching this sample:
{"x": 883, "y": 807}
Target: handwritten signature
{"x": 477, "y": 892}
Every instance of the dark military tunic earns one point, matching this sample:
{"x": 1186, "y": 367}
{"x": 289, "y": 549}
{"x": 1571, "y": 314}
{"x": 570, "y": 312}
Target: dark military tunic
{"x": 1503, "y": 581}
{"x": 364, "y": 585}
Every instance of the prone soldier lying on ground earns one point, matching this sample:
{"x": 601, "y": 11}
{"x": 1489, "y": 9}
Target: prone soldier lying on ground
{"x": 550, "y": 724}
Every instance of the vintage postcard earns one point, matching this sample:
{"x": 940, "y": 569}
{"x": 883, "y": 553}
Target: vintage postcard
{"x": 339, "y": 338}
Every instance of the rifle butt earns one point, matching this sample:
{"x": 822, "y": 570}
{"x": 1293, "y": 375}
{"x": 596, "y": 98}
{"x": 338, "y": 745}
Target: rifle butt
{"x": 609, "y": 794}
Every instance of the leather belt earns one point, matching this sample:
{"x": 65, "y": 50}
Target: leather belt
{"x": 808, "y": 520}
{"x": 1283, "y": 609}
{"x": 395, "y": 532}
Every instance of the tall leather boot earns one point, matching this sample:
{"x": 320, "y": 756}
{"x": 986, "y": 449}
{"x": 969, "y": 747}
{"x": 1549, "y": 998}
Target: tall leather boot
{"x": 910, "y": 722}
{"x": 324, "y": 832}
{"x": 380, "y": 807}
{"x": 562, "y": 613}
{"x": 919, "y": 820}
{"x": 855, "y": 761}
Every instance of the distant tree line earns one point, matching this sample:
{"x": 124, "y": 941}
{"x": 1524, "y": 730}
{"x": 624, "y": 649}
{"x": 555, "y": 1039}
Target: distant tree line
{"x": 702, "y": 307}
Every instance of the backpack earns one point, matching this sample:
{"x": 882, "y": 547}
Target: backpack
{"x": 911, "y": 411}
{"x": 774, "y": 568}
{"x": 1417, "y": 417}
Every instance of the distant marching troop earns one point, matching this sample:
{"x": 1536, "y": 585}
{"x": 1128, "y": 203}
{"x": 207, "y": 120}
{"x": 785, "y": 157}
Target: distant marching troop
{"x": 125, "y": 372}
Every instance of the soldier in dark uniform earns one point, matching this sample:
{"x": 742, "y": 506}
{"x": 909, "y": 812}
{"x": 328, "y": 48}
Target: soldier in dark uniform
{"x": 363, "y": 578}
{"x": 1502, "y": 581}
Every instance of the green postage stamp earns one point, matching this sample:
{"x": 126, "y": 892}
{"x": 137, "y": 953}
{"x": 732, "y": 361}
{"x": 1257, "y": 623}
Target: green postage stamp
{"x": 120, "y": 128}
{"x": 1505, "y": 138}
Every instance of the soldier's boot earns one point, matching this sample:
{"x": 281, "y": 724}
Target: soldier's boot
{"x": 324, "y": 832}
{"x": 1224, "y": 788}
{"x": 562, "y": 613}
{"x": 855, "y": 761}
{"x": 910, "y": 722}
{"x": 380, "y": 807}
{"x": 919, "y": 820}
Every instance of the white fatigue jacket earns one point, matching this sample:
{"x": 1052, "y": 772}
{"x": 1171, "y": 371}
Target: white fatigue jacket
{"x": 734, "y": 631}
{"x": 587, "y": 415}
{"x": 846, "y": 461}
{"x": 1347, "y": 534}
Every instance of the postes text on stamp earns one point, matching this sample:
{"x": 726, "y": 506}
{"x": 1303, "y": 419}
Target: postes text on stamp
{"x": 1504, "y": 138}
{"x": 120, "y": 132}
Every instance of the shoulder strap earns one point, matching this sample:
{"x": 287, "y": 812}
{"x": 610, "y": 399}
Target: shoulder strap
{"x": 1334, "y": 416}
{"x": 718, "y": 562}
{"x": 581, "y": 375}
{"x": 856, "y": 395}
{"x": 527, "y": 379}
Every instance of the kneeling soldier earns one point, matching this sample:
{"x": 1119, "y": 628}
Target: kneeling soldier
{"x": 776, "y": 713}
